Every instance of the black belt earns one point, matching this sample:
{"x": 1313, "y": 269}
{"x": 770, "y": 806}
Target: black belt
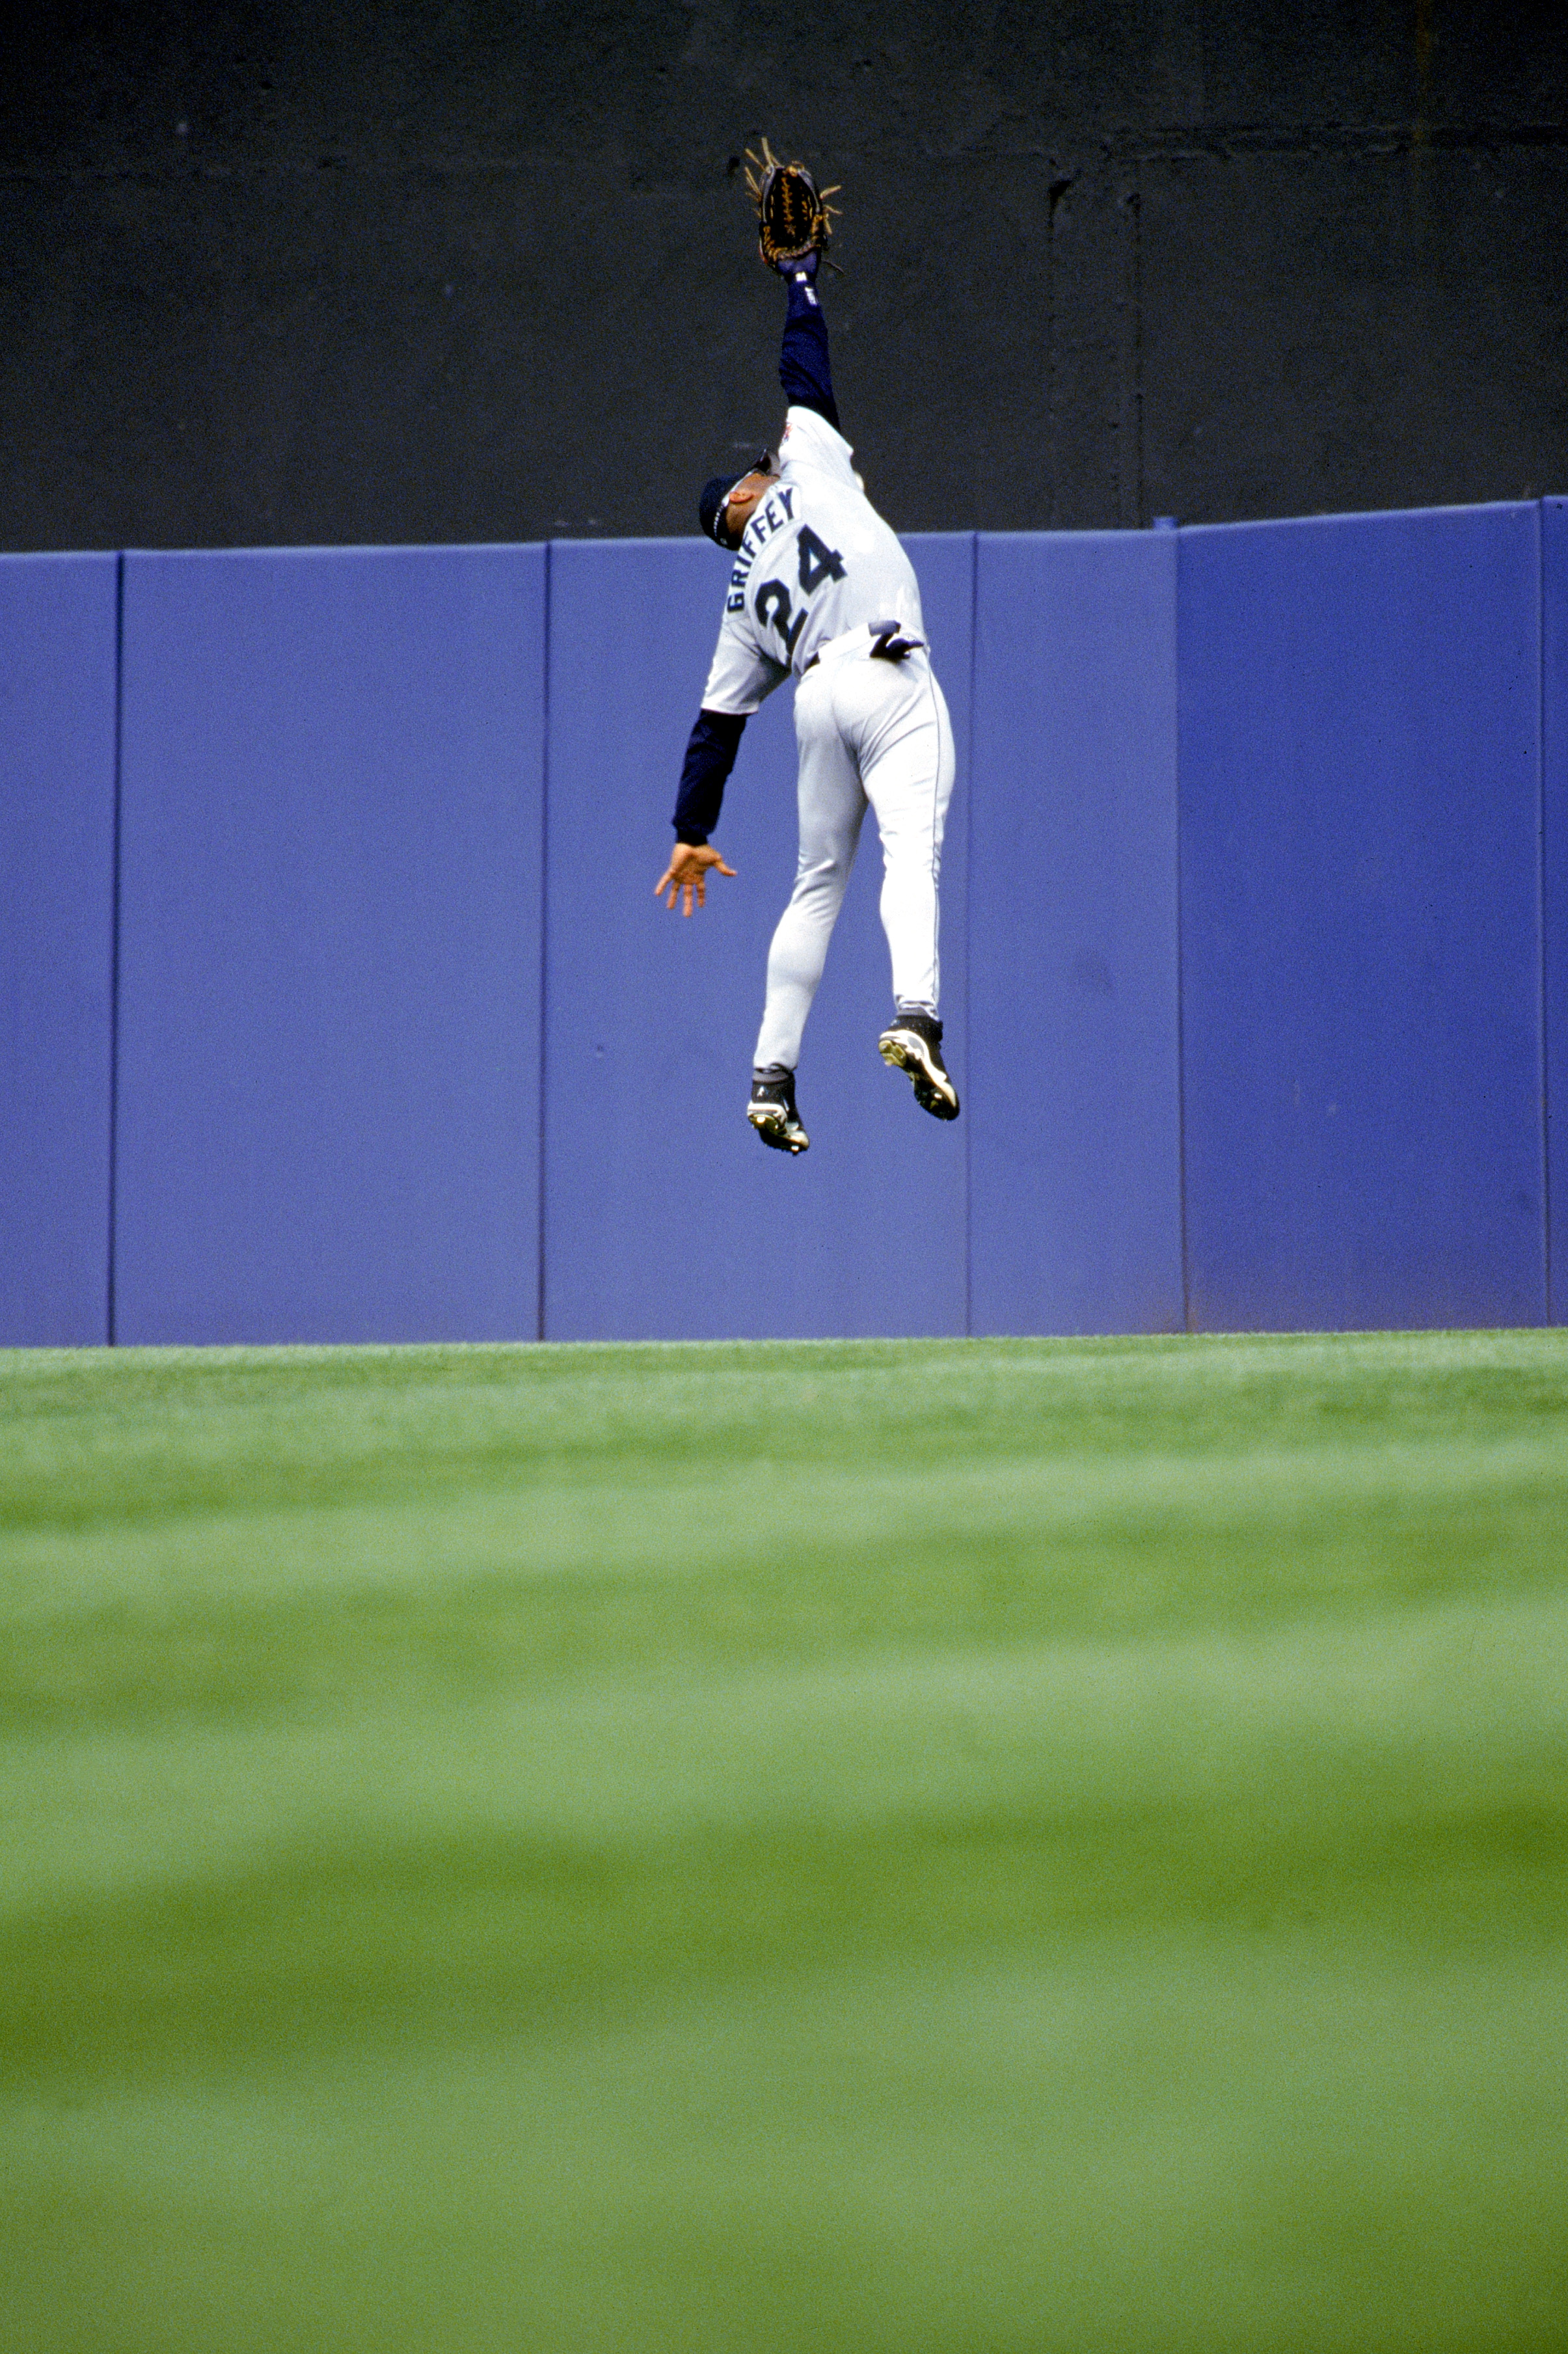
{"x": 891, "y": 644}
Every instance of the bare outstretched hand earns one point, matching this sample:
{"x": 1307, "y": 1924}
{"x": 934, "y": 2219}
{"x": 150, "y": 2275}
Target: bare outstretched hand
{"x": 687, "y": 875}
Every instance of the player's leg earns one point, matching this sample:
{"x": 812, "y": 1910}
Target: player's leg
{"x": 905, "y": 740}
{"x": 831, "y": 808}
{"x": 908, "y": 778}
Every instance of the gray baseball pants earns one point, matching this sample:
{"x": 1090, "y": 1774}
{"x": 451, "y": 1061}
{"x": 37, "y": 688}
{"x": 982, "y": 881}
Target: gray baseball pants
{"x": 871, "y": 734}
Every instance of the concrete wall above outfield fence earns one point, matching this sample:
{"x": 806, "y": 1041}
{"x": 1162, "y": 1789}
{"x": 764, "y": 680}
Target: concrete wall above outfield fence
{"x": 337, "y": 1004}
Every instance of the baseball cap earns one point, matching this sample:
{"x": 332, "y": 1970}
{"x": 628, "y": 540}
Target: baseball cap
{"x": 711, "y": 501}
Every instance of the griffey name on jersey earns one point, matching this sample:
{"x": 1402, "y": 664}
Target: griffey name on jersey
{"x": 776, "y": 510}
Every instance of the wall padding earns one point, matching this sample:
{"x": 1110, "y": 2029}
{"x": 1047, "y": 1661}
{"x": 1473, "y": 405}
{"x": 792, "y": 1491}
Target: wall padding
{"x": 1554, "y": 766}
{"x": 1360, "y": 810}
{"x": 1254, "y": 948}
{"x": 330, "y": 927}
{"x": 58, "y": 621}
{"x": 1074, "y": 1138}
{"x": 664, "y": 1216}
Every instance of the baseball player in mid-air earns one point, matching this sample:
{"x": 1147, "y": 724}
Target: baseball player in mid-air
{"x": 821, "y": 589}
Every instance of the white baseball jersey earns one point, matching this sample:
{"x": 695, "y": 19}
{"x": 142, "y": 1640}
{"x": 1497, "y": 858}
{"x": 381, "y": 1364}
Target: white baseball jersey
{"x": 816, "y": 559}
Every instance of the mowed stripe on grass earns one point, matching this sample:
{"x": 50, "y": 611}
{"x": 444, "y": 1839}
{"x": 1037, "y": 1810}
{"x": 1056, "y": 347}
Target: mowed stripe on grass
{"x": 908, "y": 1845}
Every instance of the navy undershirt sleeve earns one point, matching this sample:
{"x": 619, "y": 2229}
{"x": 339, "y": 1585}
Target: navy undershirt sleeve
{"x": 803, "y": 369}
{"x": 806, "y": 378}
{"x": 710, "y": 756}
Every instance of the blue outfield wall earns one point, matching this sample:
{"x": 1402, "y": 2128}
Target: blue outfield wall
{"x": 1074, "y": 1070}
{"x": 1554, "y": 769}
{"x": 328, "y": 1090}
{"x": 1255, "y": 947}
{"x": 1360, "y": 938}
{"x": 58, "y": 703}
{"x": 662, "y": 1216}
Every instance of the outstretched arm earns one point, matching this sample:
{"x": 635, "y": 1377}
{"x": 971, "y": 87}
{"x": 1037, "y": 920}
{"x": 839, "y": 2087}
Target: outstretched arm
{"x": 710, "y": 757}
{"x": 803, "y": 365}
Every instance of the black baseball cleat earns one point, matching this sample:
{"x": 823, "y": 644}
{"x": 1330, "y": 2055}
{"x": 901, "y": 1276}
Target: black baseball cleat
{"x": 772, "y": 1112}
{"x": 912, "y": 1043}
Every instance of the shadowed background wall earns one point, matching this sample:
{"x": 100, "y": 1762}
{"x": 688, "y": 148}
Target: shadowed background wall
{"x": 293, "y": 272}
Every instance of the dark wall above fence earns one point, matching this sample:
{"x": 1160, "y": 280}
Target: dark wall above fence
{"x": 279, "y": 273}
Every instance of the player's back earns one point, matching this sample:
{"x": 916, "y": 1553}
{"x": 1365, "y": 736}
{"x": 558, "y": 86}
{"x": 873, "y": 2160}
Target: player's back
{"x": 816, "y": 559}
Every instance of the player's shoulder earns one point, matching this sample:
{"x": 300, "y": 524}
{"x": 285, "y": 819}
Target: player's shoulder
{"x": 809, "y": 444}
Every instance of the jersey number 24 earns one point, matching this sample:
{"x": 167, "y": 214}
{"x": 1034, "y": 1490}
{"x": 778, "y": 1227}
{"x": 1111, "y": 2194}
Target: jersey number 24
{"x": 818, "y": 563}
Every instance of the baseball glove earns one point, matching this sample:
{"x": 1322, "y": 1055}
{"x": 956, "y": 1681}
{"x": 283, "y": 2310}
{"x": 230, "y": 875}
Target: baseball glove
{"x": 793, "y": 216}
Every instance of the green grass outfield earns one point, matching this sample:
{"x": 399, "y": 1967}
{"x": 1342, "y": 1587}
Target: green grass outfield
{"x": 949, "y": 1848}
